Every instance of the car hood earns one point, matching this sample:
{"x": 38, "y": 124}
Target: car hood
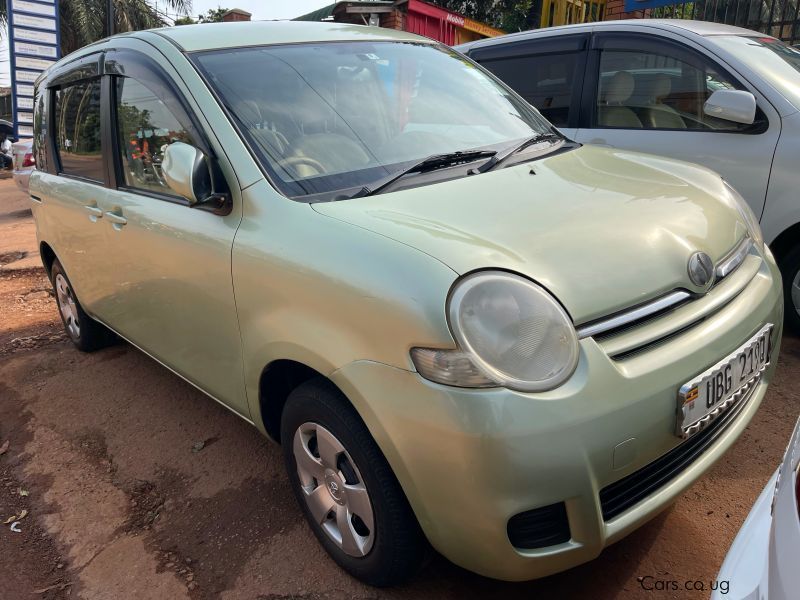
{"x": 601, "y": 229}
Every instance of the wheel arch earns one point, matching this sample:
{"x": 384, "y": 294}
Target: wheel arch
{"x": 784, "y": 243}
{"x": 48, "y": 256}
{"x": 278, "y": 379}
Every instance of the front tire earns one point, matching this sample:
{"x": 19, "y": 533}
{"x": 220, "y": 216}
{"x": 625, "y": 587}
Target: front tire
{"x": 86, "y": 333}
{"x": 349, "y": 494}
{"x": 790, "y": 270}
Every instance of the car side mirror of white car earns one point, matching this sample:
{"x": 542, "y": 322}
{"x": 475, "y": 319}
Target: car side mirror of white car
{"x": 738, "y": 106}
{"x": 186, "y": 171}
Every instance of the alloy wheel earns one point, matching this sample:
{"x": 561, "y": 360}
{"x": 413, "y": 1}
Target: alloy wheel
{"x": 67, "y": 306}
{"x": 796, "y": 292}
{"x": 333, "y": 489}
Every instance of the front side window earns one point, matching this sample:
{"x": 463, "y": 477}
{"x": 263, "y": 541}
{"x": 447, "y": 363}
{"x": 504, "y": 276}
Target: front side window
{"x": 648, "y": 90}
{"x": 145, "y": 126}
{"x": 546, "y": 81}
{"x": 77, "y": 124}
{"x": 328, "y": 117}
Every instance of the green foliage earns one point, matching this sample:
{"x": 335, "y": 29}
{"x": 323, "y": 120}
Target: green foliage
{"x": 677, "y": 11}
{"x": 84, "y": 21}
{"x": 213, "y": 15}
{"x": 132, "y": 120}
{"x": 508, "y": 15}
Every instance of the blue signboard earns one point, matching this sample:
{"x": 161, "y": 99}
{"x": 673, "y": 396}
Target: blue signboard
{"x": 631, "y": 5}
{"x": 34, "y": 45}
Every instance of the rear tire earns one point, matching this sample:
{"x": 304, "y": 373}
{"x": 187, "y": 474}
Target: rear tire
{"x": 790, "y": 269}
{"x": 86, "y": 333}
{"x": 346, "y": 488}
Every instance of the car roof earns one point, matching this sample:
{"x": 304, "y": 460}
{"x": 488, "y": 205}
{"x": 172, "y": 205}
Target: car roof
{"x": 208, "y": 36}
{"x": 702, "y": 28}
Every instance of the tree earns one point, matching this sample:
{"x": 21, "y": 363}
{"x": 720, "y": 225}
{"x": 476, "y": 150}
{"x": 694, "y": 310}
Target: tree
{"x": 213, "y": 15}
{"x": 508, "y": 15}
{"x": 84, "y": 21}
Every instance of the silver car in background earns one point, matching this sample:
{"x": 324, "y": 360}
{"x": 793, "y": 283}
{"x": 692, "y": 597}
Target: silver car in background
{"x": 24, "y": 163}
{"x": 762, "y": 563}
{"x": 724, "y": 97}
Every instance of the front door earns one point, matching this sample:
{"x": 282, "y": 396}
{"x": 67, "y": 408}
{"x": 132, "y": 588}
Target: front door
{"x": 173, "y": 293}
{"x": 646, "y": 93}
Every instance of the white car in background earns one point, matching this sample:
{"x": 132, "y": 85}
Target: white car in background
{"x": 24, "y": 163}
{"x": 764, "y": 560}
{"x": 720, "y": 96}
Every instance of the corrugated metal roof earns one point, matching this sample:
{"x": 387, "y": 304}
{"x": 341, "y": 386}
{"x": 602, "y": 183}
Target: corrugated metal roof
{"x": 317, "y": 15}
{"x": 327, "y": 11}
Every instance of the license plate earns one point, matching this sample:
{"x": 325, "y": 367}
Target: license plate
{"x": 716, "y": 390}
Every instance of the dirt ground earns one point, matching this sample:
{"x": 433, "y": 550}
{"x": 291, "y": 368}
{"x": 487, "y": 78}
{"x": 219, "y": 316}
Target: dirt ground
{"x": 138, "y": 486}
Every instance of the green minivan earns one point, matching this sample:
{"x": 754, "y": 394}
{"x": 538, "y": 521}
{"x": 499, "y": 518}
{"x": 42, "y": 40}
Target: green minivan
{"x": 464, "y": 329}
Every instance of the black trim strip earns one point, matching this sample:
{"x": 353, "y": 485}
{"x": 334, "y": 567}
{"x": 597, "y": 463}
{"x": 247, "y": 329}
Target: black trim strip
{"x": 540, "y": 527}
{"x": 106, "y": 98}
{"x": 85, "y": 67}
{"x": 621, "y": 495}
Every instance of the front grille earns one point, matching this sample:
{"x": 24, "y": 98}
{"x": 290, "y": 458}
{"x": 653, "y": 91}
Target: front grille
{"x": 624, "y": 342}
{"x": 628, "y": 491}
{"x": 639, "y": 328}
{"x": 540, "y": 527}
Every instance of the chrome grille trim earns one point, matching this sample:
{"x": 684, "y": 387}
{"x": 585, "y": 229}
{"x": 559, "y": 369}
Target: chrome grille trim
{"x": 651, "y": 332}
{"x": 727, "y": 265}
{"x": 641, "y": 312}
{"x": 735, "y": 258}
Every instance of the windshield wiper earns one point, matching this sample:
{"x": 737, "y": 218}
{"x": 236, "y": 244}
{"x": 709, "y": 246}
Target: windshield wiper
{"x": 507, "y": 153}
{"x": 436, "y": 161}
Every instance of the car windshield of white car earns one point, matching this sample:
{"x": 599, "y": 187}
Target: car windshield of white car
{"x": 325, "y": 119}
{"x": 777, "y": 62}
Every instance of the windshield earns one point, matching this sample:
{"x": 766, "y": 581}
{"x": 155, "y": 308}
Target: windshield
{"x": 775, "y": 61}
{"x": 330, "y": 117}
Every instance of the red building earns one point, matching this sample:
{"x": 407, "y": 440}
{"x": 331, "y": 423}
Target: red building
{"x": 413, "y": 16}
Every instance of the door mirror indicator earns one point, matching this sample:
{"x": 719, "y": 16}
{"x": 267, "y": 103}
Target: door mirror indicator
{"x": 732, "y": 105}
{"x": 192, "y": 175}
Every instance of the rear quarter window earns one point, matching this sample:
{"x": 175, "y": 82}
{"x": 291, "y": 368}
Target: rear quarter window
{"x": 77, "y": 130}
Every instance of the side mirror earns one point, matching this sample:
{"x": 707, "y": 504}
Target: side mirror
{"x": 187, "y": 172}
{"x": 732, "y": 105}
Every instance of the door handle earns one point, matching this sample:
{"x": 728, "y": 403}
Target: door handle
{"x": 94, "y": 212}
{"x": 117, "y": 219}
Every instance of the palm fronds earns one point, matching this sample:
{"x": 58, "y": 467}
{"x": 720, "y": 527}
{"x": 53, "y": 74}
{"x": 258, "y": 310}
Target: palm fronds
{"x": 84, "y": 21}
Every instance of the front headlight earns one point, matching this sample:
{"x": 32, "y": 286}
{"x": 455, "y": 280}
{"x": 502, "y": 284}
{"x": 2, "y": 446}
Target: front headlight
{"x": 511, "y": 331}
{"x": 747, "y": 214}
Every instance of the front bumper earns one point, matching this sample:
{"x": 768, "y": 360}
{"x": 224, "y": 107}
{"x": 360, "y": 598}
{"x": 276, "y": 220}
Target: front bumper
{"x": 469, "y": 460}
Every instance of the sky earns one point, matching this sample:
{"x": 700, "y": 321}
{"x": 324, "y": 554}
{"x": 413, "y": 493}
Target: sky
{"x": 261, "y": 9}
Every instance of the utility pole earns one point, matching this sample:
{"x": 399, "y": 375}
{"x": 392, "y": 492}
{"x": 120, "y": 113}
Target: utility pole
{"x": 110, "y": 17}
